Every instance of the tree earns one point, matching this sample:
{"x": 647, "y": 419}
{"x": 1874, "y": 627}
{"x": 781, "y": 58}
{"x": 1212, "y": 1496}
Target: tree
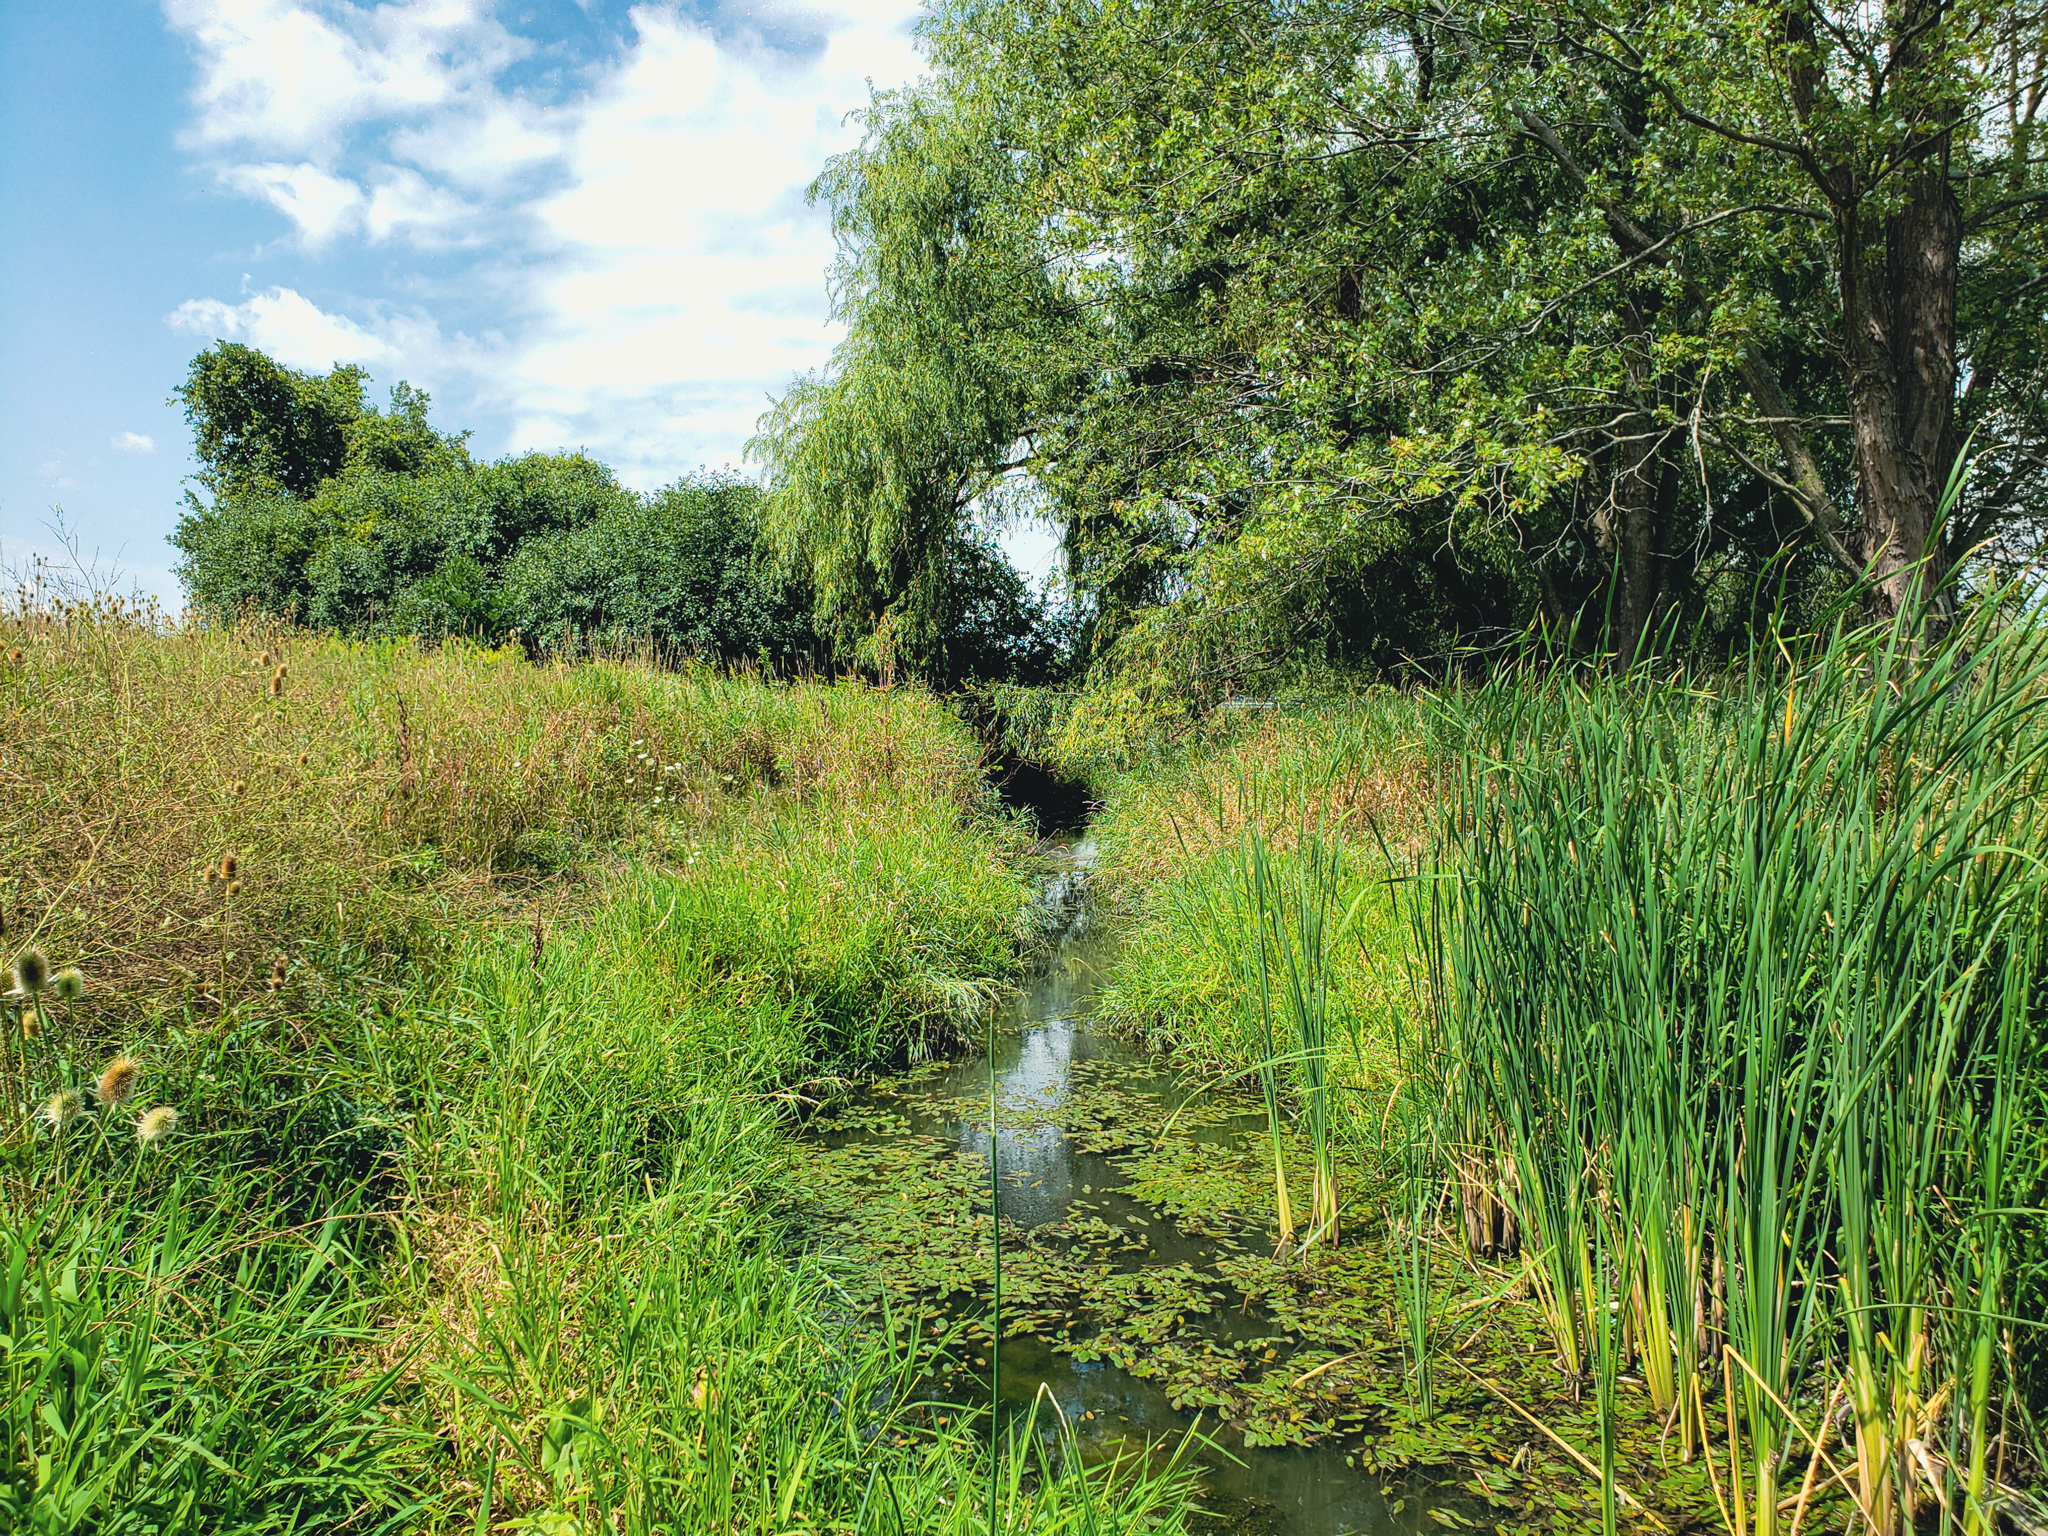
{"x": 1357, "y": 330}
{"x": 260, "y": 427}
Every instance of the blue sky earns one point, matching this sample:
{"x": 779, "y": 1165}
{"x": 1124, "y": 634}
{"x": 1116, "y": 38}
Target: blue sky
{"x": 577, "y": 226}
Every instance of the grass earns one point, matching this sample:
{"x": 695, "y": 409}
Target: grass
{"x": 1176, "y": 840}
{"x": 1703, "y": 1013}
{"x": 462, "y": 1224}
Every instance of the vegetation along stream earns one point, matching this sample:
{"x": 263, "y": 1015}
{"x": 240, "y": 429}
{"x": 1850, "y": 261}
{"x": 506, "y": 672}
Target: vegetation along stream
{"x": 1138, "y": 1291}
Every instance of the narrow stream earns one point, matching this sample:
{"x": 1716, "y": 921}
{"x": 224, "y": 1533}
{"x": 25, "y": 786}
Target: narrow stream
{"x": 1048, "y": 1053}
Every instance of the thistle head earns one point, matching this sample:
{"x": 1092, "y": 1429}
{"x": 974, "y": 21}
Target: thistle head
{"x": 118, "y": 1081}
{"x": 63, "y": 1110}
{"x": 68, "y": 985}
{"x": 31, "y": 972}
{"x": 156, "y": 1126}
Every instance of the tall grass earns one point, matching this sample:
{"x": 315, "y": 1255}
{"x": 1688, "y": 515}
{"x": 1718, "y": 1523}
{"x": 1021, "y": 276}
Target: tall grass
{"x": 465, "y": 1224}
{"x": 376, "y": 796}
{"x": 1740, "y": 984}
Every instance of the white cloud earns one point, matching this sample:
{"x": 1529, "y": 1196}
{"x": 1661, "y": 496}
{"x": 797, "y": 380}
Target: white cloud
{"x": 322, "y": 206}
{"x": 287, "y": 325}
{"x": 644, "y": 273}
{"x": 135, "y": 442}
{"x": 286, "y": 76}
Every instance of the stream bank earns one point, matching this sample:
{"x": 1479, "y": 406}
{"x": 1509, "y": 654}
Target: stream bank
{"x": 1138, "y": 1290}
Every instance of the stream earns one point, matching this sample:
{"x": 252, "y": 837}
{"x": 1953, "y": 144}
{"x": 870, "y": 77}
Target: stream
{"x": 1128, "y": 1243}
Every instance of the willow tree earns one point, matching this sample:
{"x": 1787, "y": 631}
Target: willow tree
{"x": 874, "y": 468}
{"x": 1346, "y": 329}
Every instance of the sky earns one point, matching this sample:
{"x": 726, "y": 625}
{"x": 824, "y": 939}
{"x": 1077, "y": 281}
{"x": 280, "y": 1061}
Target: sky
{"x": 575, "y": 225}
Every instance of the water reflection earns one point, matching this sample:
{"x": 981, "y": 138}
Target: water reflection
{"x": 1041, "y": 1035}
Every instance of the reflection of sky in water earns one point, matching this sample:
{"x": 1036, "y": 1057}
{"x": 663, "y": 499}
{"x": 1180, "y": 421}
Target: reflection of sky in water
{"x": 1040, "y": 1035}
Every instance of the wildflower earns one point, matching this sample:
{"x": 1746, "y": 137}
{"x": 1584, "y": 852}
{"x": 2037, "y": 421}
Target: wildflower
{"x": 63, "y": 1110}
{"x": 68, "y": 985}
{"x": 153, "y": 1127}
{"x": 118, "y": 1081}
{"x": 31, "y": 972}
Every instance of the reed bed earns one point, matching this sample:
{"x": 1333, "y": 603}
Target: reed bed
{"x": 1738, "y": 989}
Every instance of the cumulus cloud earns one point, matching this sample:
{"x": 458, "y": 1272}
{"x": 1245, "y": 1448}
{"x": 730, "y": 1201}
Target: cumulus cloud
{"x": 286, "y": 76}
{"x": 287, "y": 325}
{"x": 322, "y": 206}
{"x": 642, "y": 272}
{"x": 135, "y": 442}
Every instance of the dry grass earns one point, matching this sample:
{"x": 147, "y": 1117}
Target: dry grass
{"x": 187, "y": 804}
{"x": 1373, "y": 777}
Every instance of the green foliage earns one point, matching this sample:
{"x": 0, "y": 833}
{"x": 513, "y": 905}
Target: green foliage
{"x": 686, "y": 565}
{"x": 370, "y": 523}
{"x": 873, "y": 470}
{"x": 1331, "y": 333}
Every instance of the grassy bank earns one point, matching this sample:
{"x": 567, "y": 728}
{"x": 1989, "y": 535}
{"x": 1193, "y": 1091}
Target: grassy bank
{"x": 1365, "y": 782}
{"x": 1685, "y": 1088}
{"x": 456, "y": 1226}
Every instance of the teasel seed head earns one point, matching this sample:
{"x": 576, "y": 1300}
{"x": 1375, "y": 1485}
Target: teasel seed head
{"x": 234, "y": 887}
{"x": 263, "y": 658}
{"x": 156, "y": 1126}
{"x": 277, "y": 682}
{"x": 304, "y": 758}
{"x": 229, "y": 865}
{"x": 68, "y": 985}
{"x": 64, "y": 1109}
{"x": 118, "y": 1081}
{"x": 15, "y": 656}
{"x": 239, "y": 788}
{"x": 31, "y": 972}
{"x": 277, "y": 973}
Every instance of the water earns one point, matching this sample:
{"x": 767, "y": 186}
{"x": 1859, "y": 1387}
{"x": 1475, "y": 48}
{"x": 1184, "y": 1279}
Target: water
{"x": 1043, "y": 1044}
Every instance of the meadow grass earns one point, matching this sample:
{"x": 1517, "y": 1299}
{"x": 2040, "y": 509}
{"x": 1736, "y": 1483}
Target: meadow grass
{"x": 1352, "y": 794}
{"x": 462, "y": 1223}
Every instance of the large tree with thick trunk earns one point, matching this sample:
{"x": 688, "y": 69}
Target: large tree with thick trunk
{"x": 1355, "y": 329}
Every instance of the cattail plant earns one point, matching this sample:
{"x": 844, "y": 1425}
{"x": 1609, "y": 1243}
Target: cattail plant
{"x": 1742, "y": 980}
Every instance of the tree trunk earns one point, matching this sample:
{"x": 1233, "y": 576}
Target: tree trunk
{"x": 1626, "y": 525}
{"x": 1898, "y": 272}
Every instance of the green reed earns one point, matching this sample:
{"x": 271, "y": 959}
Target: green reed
{"x": 1278, "y": 916}
{"x": 1744, "y": 980}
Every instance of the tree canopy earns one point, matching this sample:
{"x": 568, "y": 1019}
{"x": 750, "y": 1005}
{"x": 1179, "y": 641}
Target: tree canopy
{"x": 326, "y": 511}
{"x": 1329, "y": 330}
